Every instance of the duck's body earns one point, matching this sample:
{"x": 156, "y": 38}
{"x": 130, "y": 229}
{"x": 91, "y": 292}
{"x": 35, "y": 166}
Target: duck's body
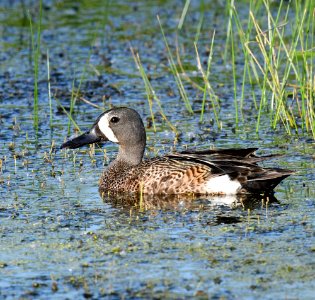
{"x": 196, "y": 173}
{"x": 221, "y": 172}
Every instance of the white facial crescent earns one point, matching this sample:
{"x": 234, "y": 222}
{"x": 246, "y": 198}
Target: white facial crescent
{"x": 103, "y": 125}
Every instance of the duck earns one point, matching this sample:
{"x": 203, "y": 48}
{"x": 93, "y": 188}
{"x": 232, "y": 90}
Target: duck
{"x": 197, "y": 172}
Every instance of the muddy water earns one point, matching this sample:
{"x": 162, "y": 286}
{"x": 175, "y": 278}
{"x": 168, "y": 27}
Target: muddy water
{"x": 60, "y": 240}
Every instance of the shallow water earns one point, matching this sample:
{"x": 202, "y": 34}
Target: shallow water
{"x": 60, "y": 240}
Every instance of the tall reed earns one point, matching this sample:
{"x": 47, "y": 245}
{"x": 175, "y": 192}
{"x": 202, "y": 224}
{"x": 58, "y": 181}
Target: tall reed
{"x": 175, "y": 71}
{"x": 273, "y": 50}
{"x": 151, "y": 95}
{"x": 36, "y": 57}
{"x": 49, "y": 91}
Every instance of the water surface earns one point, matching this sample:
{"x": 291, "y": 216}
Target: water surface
{"x": 60, "y": 240}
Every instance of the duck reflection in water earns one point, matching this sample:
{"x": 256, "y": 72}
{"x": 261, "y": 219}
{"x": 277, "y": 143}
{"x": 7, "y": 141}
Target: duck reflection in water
{"x": 187, "y": 202}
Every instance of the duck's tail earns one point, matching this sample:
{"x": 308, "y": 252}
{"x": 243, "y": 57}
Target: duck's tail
{"x": 266, "y": 180}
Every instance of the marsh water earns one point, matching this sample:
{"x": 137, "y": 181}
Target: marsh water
{"x": 59, "y": 239}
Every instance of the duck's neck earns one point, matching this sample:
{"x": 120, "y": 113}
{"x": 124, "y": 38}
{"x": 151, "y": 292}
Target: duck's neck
{"x": 130, "y": 156}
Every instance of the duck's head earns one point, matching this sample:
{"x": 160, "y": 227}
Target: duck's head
{"x": 119, "y": 125}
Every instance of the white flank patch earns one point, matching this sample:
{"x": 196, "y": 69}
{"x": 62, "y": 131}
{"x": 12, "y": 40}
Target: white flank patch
{"x": 103, "y": 125}
{"x": 222, "y": 185}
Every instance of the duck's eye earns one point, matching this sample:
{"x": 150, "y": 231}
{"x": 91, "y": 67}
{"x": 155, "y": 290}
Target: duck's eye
{"x": 114, "y": 119}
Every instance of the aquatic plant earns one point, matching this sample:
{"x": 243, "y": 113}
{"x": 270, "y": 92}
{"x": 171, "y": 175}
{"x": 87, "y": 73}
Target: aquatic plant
{"x": 271, "y": 56}
{"x": 151, "y": 95}
{"x": 278, "y": 58}
{"x": 49, "y": 91}
{"x": 36, "y": 56}
{"x": 175, "y": 72}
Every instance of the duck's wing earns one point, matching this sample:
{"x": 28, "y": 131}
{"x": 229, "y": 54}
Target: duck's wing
{"x": 239, "y": 165}
{"x": 245, "y": 155}
{"x": 220, "y": 162}
{"x": 244, "y": 152}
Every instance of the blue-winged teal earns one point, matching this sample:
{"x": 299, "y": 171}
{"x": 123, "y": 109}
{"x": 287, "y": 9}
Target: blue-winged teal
{"x": 222, "y": 172}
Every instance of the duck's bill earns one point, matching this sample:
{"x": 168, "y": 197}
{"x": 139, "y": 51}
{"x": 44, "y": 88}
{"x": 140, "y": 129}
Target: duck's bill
{"x": 79, "y": 141}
